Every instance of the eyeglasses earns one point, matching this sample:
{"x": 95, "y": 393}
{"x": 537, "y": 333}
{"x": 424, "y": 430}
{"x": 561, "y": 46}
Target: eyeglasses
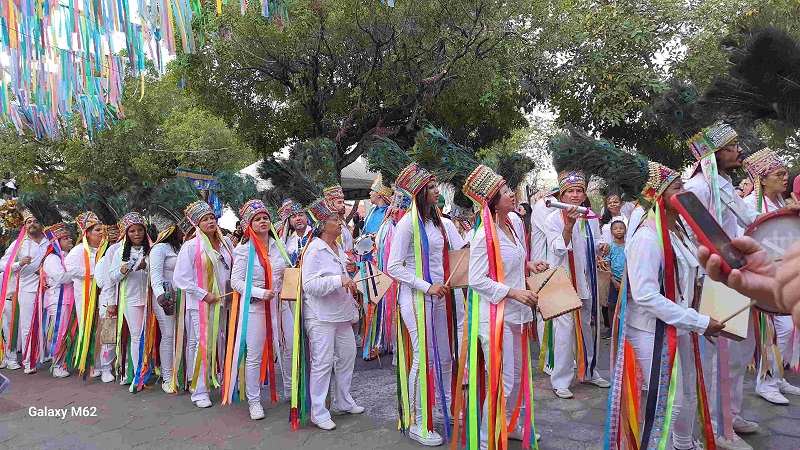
{"x": 222, "y": 260}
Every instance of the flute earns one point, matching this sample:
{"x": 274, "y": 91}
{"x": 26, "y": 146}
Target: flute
{"x": 565, "y": 206}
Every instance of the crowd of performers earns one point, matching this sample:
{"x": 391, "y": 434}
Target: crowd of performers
{"x": 205, "y": 315}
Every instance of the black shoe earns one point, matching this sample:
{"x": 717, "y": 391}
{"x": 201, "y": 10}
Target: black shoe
{"x": 606, "y": 334}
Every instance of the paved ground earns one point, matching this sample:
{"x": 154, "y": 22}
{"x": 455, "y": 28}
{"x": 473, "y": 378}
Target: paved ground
{"x": 154, "y": 418}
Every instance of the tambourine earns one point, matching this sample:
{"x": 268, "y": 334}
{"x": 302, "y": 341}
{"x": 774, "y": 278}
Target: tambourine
{"x": 775, "y": 232}
{"x": 364, "y": 244}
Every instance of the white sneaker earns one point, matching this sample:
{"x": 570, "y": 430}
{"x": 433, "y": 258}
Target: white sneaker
{"x": 30, "y": 370}
{"x": 256, "y": 411}
{"x": 60, "y": 372}
{"x": 327, "y": 425}
{"x": 433, "y": 439}
{"x": 10, "y": 364}
{"x": 167, "y": 387}
{"x": 742, "y": 426}
{"x": 95, "y": 373}
{"x": 787, "y": 388}
{"x": 774, "y": 397}
{"x": 124, "y": 382}
{"x": 737, "y": 444}
{"x": 518, "y": 434}
{"x": 356, "y": 410}
{"x": 599, "y": 382}
{"x": 107, "y": 376}
{"x": 204, "y": 403}
{"x": 47, "y": 359}
{"x": 563, "y": 393}
{"x": 696, "y": 445}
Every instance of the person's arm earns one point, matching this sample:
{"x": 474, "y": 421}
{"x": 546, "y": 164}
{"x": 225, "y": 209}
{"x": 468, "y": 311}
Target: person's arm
{"x": 646, "y": 289}
{"x": 554, "y": 230}
{"x": 184, "y": 276}
{"x": 479, "y": 280}
{"x": 74, "y": 263}
{"x": 399, "y": 256}
{"x": 158, "y": 255}
{"x": 6, "y": 256}
{"x": 55, "y": 273}
{"x": 115, "y": 268}
{"x": 315, "y": 283}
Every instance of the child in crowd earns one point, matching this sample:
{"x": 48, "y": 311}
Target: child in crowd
{"x": 617, "y": 259}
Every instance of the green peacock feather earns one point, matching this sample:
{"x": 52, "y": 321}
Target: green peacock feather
{"x": 384, "y": 156}
{"x": 171, "y": 199}
{"x": 319, "y": 162}
{"x": 235, "y": 190}
{"x": 289, "y": 178}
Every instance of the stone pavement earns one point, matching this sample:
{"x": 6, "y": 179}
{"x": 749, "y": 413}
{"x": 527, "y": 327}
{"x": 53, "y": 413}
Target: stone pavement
{"x": 152, "y": 418}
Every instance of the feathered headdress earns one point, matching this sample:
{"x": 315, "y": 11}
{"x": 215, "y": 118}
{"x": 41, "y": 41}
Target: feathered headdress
{"x": 320, "y": 164}
{"x": 102, "y": 199}
{"x": 41, "y": 206}
{"x": 289, "y": 178}
{"x": 511, "y": 165}
{"x": 169, "y": 201}
{"x": 385, "y": 157}
{"x": 763, "y": 82}
{"x": 448, "y": 162}
{"x": 680, "y": 112}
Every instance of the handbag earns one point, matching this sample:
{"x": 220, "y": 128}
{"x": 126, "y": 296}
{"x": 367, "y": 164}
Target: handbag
{"x": 107, "y": 330}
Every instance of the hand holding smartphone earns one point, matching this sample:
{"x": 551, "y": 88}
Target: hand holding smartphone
{"x": 708, "y": 230}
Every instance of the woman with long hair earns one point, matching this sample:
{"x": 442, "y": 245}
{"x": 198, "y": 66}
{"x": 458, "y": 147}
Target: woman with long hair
{"x": 612, "y": 213}
{"x": 202, "y": 271}
{"x": 504, "y": 307}
{"x": 129, "y": 270}
{"x": 163, "y": 258}
{"x": 257, "y": 275}
{"x": 419, "y": 262}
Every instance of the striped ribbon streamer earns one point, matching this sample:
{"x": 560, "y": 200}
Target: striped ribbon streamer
{"x": 12, "y": 256}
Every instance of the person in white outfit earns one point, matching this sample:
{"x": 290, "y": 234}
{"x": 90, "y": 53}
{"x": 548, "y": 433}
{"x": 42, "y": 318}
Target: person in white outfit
{"x": 130, "y": 271}
{"x": 57, "y": 283}
{"x": 24, "y": 265}
{"x": 163, "y": 257}
{"x": 441, "y": 235}
{"x": 257, "y": 275}
{"x": 203, "y": 296}
{"x": 80, "y": 263}
{"x": 717, "y": 151}
{"x": 570, "y": 237}
{"x": 489, "y": 190}
{"x": 297, "y": 232}
{"x": 329, "y": 310}
{"x": 108, "y": 300}
{"x": 771, "y": 180}
{"x": 650, "y": 313}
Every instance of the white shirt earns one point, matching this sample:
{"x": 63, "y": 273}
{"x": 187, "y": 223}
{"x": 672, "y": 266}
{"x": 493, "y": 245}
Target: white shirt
{"x": 293, "y": 241}
{"x": 28, "y": 278}
{"x": 135, "y": 282}
{"x": 512, "y": 253}
{"x": 185, "y": 276}
{"x": 108, "y": 293}
{"x": 627, "y": 209}
{"x": 699, "y": 186}
{"x": 55, "y": 276}
{"x": 325, "y": 298}
{"x": 768, "y": 206}
{"x": 402, "y": 264}
{"x": 539, "y": 215}
{"x": 606, "y": 230}
{"x": 644, "y": 277}
{"x": 257, "y": 291}
{"x": 636, "y": 217}
{"x": 559, "y": 255}
{"x": 162, "y": 266}
{"x": 74, "y": 266}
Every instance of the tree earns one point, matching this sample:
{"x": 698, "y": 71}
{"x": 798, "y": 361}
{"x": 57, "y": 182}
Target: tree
{"x": 345, "y": 69}
{"x": 164, "y": 127}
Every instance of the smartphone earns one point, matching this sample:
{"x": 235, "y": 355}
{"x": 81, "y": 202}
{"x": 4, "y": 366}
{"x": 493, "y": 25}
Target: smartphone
{"x": 708, "y": 230}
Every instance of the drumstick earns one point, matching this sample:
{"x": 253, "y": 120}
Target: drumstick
{"x": 453, "y": 271}
{"x": 367, "y": 278}
{"x": 739, "y": 311}
{"x": 545, "y": 281}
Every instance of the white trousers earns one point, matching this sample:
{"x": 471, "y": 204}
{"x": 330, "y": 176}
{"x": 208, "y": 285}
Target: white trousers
{"x": 256, "y": 338}
{"x": 784, "y": 329}
{"x": 283, "y": 340}
{"x": 512, "y": 372}
{"x": 134, "y": 315}
{"x": 26, "y": 304}
{"x": 10, "y": 354}
{"x": 739, "y": 356}
{"x": 166, "y": 351}
{"x": 684, "y": 408}
{"x": 564, "y": 344}
{"x": 332, "y": 347}
{"x": 439, "y": 319}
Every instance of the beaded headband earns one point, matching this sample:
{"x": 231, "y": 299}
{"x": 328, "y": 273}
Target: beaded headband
{"x": 57, "y": 231}
{"x": 131, "y": 219}
{"x": 195, "y": 211}
{"x": 320, "y": 210}
{"x": 332, "y": 193}
{"x": 711, "y": 139}
{"x": 567, "y": 180}
{"x": 482, "y": 184}
{"x": 412, "y": 179}
{"x": 250, "y": 209}
{"x": 761, "y": 163}
{"x": 383, "y": 191}
{"x": 289, "y": 208}
{"x": 113, "y": 232}
{"x": 27, "y": 214}
{"x": 86, "y": 219}
{"x": 659, "y": 180}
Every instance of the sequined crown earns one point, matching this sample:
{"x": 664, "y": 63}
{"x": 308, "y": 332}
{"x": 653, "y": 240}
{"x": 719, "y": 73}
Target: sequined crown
{"x": 711, "y": 139}
{"x": 413, "y": 178}
{"x": 482, "y": 184}
{"x": 567, "y": 180}
{"x": 250, "y": 209}
{"x": 195, "y": 211}
{"x": 761, "y": 163}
